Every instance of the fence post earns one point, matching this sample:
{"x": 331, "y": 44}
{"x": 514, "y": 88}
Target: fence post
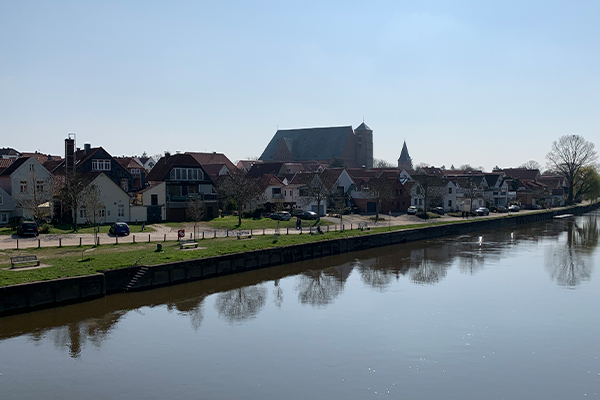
{"x": 59, "y": 242}
{"x": 250, "y": 231}
{"x": 165, "y": 238}
{"x": 288, "y": 231}
{"x": 263, "y": 231}
{"x": 39, "y": 244}
{"x": 350, "y": 226}
{"x": 79, "y": 241}
{"x": 148, "y": 238}
{"x": 133, "y": 238}
{"x": 202, "y": 235}
{"x": 227, "y": 232}
{"x": 215, "y": 234}
{"x": 17, "y": 244}
{"x": 116, "y": 239}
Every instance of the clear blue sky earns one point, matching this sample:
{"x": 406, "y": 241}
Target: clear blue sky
{"x": 475, "y": 82}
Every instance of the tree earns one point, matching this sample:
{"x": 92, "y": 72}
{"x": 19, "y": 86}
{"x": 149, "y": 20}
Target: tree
{"x": 587, "y": 183}
{"x": 91, "y": 201}
{"x": 380, "y": 189}
{"x": 470, "y": 190}
{"x": 318, "y": 188}
{"x": 338, "y": 163}
{"x": 70, "y": 194}
{"x": 432, "y": 188}
{"x": 35, "y": 192}
{"x": 240, "y": 188}
{"x": 379, "y": 163}
{"x": 568, "y": 155}
{"x": 531, "y": 164}
{"x": 195, "y": 210}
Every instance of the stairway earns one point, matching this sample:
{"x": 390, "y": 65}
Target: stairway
{"x": 141, "y": 272}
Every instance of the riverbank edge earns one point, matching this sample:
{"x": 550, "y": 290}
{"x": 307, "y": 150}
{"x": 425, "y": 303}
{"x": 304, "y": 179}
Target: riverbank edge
{"x": 55, "y": 293}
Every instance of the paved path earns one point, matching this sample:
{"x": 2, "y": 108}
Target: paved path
{"x": 162, "y": 232}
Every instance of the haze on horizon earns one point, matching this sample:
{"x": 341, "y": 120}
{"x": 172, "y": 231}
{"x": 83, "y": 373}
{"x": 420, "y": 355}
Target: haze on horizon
{"x": 462, "y": 82}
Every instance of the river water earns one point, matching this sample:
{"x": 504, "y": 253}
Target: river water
{"x": 505, "y": 314}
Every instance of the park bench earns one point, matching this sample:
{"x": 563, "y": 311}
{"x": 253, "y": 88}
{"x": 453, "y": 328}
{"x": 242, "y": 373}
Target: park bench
{"x": 188, "y": 243}
{"x": 244, "y": 235}
{"x": 16, "y": 262}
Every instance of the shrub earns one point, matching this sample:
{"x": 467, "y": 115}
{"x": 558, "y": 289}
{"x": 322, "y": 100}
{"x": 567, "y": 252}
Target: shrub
{"x": 44, "y": 228}
{"x": 423, "y": 215}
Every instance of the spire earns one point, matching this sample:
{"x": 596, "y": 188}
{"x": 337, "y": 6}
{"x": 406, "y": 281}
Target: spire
{"x": 404, "y": 162}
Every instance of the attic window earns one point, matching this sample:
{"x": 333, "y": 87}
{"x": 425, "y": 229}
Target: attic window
{"x": 100, "y": 165}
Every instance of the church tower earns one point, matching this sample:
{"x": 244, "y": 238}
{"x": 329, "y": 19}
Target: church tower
{"x": 363, "y": 146}
{"x": 405, "y": 162}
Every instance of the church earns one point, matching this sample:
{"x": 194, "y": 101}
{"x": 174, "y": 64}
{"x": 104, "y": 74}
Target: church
{"x": 338, "y": 146}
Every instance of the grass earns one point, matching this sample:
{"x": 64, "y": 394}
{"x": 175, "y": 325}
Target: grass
{"x": 231, "y": 222}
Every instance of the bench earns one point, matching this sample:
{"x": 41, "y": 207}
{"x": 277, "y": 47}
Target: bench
{"x": 15, "y": 262}
{"x": 188, "y": 243}
{"x": 244, "y": 235}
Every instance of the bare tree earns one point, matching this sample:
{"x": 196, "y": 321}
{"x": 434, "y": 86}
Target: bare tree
{"x": 195, "y": 210}
{"x": 531, "y": 164}
{"x": 69, "y": 194}
{"x": 34, "y": 193}
{"x": 470, "y": 190}
{"x": 91, "y": 201}
{"x": 568, "y": 155}
{"x": 432, "y": 188}
{"x": 380, "y": 189}
{"x": 380, "y": 163}
{"x": 240, "y": 188}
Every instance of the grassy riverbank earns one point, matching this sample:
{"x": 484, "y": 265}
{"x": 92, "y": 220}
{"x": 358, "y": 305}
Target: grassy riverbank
{"x": 66, "y": 262}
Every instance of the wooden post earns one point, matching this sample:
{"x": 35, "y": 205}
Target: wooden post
{"x": 17, "y": 244}
{"x": 202, "y": 235}
{"x": 165, "y": 238}
{"x": 59, "y": 242}
{"x": 148, "y": 238}
{"x": 80, "y": 241}
{"x": 116, "y": 239}
{"x": 40, "y": 244}
{"x": 133, "y": 238}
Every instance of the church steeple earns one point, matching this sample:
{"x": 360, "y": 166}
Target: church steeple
{"x": 404, "y": 162}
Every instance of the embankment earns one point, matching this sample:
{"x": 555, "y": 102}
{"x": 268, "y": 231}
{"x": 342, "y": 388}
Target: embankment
{"x": 31, "y": 296}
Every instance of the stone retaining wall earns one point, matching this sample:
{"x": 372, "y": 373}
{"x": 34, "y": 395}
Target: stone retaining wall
{"x": 27, "y": 297}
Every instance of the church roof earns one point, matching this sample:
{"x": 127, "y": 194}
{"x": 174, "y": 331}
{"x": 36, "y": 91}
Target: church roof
{"x": 404, "y": 154}
{"x": 363, "y": 127}
{"x": 310, "y": 143}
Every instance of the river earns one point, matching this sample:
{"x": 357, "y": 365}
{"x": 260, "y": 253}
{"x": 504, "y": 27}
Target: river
{"x": 503, "y": 314}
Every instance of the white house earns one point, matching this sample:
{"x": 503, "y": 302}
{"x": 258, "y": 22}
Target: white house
{"x": 29, "y": 184}
{"x": 7, "y": 207}
{"x": 113, "y": 201}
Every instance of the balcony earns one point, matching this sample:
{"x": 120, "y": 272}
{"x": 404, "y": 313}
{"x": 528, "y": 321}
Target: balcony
{"x": 200, "y": 196}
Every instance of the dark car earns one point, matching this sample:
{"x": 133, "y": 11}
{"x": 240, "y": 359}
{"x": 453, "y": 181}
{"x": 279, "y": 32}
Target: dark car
{"x": 438, "y": 210}
{"x": 501, "y": 209}
{"x": 308, "y": 215}
{"x": 281, "y": 215}
{"x": 482, "y": 211}
{"x": 119, "y": 228}
{"x": 514, "y": 208}
{"x": 28, "y": 228}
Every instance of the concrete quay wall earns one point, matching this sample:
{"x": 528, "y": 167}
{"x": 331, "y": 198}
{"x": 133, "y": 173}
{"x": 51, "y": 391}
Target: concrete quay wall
{"x": 31, "y": 296}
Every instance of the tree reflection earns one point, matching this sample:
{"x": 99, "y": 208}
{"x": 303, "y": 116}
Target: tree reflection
{"x": 278, "y": 294}
{"x": 74, "y": 335}
{"x": 320, "y": 288}
{"x": 570, "y": 263}
{"x": 239, "y": 305}
{"x": 429, "y": 267}
{"x": 194, "y": 308}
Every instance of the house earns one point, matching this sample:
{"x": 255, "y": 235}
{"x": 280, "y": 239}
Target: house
{"x": 137, "y": 171}
{"x": 30, "y": 186}
{"x": 212, "y": 158}
{"x": 9, "y": 153}
{"x": 110, "y": 203}
{"x": 151, "y": 203}
{"x": 330, "y": 145}
{"x": 397, "y": 200}
{"x": 185, "y": 180}
{"x": 7, "y": 207}
{"x": 147, "y": 162}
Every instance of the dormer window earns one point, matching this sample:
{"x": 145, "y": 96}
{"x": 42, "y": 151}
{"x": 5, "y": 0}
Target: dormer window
{"x": 100, "y": 165}
{"x": 186, "y": 174}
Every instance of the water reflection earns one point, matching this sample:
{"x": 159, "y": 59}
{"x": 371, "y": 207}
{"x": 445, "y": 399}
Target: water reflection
{"x": 320, "y": 288}
{"x": 569, "y": 263}
{"x": 239, "y": 298}
{"x": 241, "y": 304}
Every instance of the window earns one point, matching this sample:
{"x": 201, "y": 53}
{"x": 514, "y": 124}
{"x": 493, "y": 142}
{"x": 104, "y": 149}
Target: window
{"x": 121, "y": 210}
{"x": 186, "y": 174}
{"x": 32, "y": 167}
{"x": 135, "y": 171}
{"x": 154, "y": 199}
{"x": 3, "y": 218}
{"x": 125, "y": 184}
{"x": 449, "y": 203}
{"x": 39, "y": 187}
{"x": 82, "y": 213}
{"x": 100, "y": 165}
{"x": 23, "y": 186}
{"x": 101, "y": 213}
{"x": 1, "y": 201}
{"x": 450, "y": 190}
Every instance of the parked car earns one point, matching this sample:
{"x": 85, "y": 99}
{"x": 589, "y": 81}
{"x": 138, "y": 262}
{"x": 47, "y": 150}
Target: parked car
{"x": 119, "y": 228}
{"x": 413, "y": 210}
{"x": 501, "y": 209}
{"x": 514, "y": 208}
{"x": 308, "y": 215}
{"x": 28, "y": 228}
{"x": 281, "y": 215}
{"x": 438, "y": 210}
{"x": 482, "y": 211}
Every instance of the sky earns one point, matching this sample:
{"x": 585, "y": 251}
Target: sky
{"x": 462, "y": 82}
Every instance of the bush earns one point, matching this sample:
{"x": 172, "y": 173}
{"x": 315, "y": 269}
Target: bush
{"x": 44, "y": 228}
{"x": 423, "y": 215}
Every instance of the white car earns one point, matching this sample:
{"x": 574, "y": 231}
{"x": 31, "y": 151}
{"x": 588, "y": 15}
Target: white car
{"x": 514, "y": 208}
{"x": 412, "y": 210}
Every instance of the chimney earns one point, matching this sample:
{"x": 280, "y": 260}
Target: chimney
{"x": 69, "y": 153}
{"x": 87, "y": 147}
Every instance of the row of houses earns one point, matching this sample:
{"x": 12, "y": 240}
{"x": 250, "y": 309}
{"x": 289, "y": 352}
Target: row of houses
{"x": 145, "y": 190}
